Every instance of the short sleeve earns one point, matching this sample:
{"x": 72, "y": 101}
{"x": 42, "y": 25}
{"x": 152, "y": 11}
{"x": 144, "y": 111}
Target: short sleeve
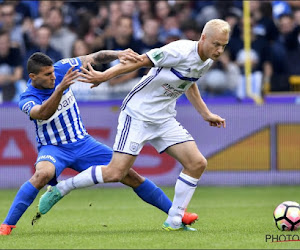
{"x": 62, "y": 66}
{"x": 166, "y": 56}
{"x": 27, "y": 103}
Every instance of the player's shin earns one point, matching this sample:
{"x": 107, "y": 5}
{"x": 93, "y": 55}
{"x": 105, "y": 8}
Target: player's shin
{"x": 184, "y": 190}
{"x": 22, "y": 201}
{"x": 153, "y": 195}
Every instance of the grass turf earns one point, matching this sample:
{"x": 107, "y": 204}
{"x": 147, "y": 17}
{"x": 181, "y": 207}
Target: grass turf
{"x": 115, "y": 218}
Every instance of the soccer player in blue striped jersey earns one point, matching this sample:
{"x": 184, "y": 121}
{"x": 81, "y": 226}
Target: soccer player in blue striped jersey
{"x": 61, "y": 136}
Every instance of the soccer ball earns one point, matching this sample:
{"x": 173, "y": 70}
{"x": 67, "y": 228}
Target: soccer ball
{"x": 287, "y": 216}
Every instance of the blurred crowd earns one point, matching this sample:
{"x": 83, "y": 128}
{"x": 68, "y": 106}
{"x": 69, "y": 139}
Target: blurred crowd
{"x": 63, "y": 29}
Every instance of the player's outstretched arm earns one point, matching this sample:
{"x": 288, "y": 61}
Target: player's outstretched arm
{"x": 193, "y": 94}
{"x": 97, "y": 77}
{"x": 106, "y": 56}
{"x": 48, "y": 108}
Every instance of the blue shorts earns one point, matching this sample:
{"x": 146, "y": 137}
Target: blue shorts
{"x": 78, "y": 155}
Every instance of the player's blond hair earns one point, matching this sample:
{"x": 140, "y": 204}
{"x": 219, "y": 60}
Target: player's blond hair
{"x": 216, "y": 25}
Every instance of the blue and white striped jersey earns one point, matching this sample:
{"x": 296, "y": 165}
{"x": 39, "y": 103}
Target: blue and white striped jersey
{"x": 65, "y": 125}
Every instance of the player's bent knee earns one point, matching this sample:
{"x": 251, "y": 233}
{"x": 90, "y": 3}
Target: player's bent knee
{"x": 199, "y": 165}
{"x": 41, "y": 178}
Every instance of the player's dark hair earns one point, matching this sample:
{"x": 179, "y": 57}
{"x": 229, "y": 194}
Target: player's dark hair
{"x": 36, "y": 61}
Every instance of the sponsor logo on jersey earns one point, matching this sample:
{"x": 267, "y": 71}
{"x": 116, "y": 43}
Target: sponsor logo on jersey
{"x": 66, "y": 102}
{"x": 171, "y": 91}
{"x": 134, "y": 146}
{"x": 157, "y": 55}
{"x": 27, "y": 107}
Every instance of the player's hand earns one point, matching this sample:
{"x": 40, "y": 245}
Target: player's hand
{"x": 91, "y": 76}
{"x": 129, "y": 55}
{"x": 69, "y": 78}
{"x": 215, "y": 120}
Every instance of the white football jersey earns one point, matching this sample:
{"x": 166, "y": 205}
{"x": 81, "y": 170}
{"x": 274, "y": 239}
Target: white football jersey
{"x": 177, "y": 66}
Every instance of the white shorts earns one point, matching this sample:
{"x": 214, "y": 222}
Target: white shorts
{"x": 132, "y": 135}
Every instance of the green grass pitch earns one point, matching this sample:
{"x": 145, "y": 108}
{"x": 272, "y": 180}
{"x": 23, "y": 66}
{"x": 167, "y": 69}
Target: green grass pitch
{"x": 115, "y": 218}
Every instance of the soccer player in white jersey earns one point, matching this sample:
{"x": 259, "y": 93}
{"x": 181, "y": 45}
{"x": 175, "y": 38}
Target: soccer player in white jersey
{"x": 148, "y": 112}
{"x": 62, "y": 138}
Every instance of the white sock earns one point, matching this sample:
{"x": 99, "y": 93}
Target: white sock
{"x": 184, "y": 190}
{"x": 87, "y": 178}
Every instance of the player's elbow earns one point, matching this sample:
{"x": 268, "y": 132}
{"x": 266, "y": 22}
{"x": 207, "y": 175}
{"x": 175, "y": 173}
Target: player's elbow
{"x": 40, "y": 116}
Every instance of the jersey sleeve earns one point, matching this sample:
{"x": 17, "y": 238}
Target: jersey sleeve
{"x": 26, "y": 103}
{"x": 166, "y": 56}
{"x": 62, "y": 66}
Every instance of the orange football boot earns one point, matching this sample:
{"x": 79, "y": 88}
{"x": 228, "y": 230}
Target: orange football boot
{"x": 6, "y": 229}
{"x": 189, "y": 218}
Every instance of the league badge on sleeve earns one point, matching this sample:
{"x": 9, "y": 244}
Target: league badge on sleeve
{"x": 157, "y": 55}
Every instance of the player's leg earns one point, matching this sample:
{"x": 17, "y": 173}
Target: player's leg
{"x": 45, "y": 171}
{"x": 194, "y": 165}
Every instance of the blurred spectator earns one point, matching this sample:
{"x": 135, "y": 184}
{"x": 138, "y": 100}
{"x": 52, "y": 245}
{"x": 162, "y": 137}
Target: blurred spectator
{"x": 150, "y": 36}
{"x": 128, "y": 8}
{"x": 149, "y": 39}
{"x": 62, "y": 38}
{"x": 262, "y": 15}
{"x": 285, "y": 53}
{"x": 10, "y": 68}
{"x": 260, "y": 56}
{"x": 43, "y": 11}
{"x": 170, "y": 30}
{"x": 233, "y": 17}
{"x": 183, "y": 10}
{"x": 222, "y": 79}
{"x": 22, "y": 10}
{"x": 190, "y": 30}
{"x": 145, "y": 10}
{"x": 42, "y": 44}
{"x": 123, "y": 39}
{"x": 114, "y": 16}
{"x": 81, "y": 90}
{"x": 69, "y": 13}
{"x": 281, "y": 8}
{"x": 172, "y": 35}
{"x": 297, "y": 16}
{"x": 162, "y": 10}
{"x": 8, "y": 22}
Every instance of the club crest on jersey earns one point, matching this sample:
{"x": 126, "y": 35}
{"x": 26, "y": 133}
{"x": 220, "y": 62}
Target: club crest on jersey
{"x": 27, "y": 107}
{"x": 158, "y": 55}
{"x": 71, "y": 61}
{"x": 134, "y": 146}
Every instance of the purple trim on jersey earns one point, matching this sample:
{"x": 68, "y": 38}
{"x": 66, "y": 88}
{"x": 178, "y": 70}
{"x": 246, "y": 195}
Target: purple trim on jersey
{"x": 124, "y": 153}
{"x": 181, "y": 77}
{"x": 187, "y": 182}
{"x": 139, "y": 87}
{"x": 173, "y": 145}
{"x": 124, "y": 133}
{"x": 94, "y": 174}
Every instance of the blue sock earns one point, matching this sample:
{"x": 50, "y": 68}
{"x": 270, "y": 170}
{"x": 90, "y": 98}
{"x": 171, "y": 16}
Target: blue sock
{"x": 153, "y": 195}
{"x": 22, "y": 201}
